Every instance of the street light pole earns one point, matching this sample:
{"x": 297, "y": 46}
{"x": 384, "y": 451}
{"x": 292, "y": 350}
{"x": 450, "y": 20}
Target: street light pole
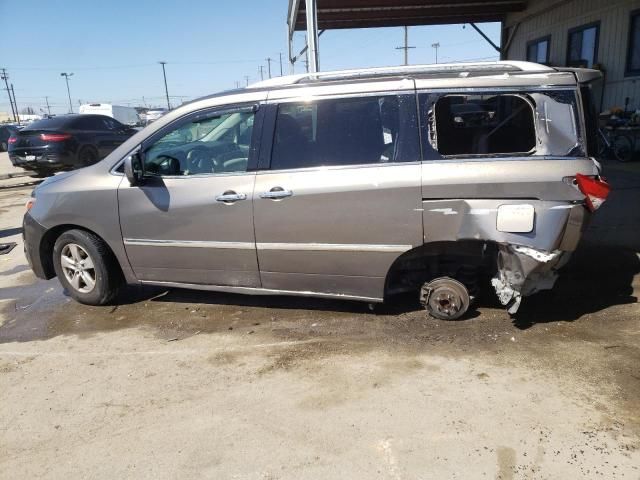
{"x": 66, "y": 77}
{"x": 436, "y": 46}
{"x": 166, "y": 90}
{"x": 269, "y": 66}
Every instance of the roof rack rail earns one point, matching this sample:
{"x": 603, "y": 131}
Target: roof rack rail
{"x": 442, "y": 68}
{"x": 497, "y": 67}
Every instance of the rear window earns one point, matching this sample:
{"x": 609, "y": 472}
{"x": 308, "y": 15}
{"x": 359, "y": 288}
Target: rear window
{"x": 483, "y": 125}
{"x": 50, "y": 123}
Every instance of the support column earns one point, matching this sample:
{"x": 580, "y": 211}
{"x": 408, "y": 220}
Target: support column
{"x": 312, "y": 35}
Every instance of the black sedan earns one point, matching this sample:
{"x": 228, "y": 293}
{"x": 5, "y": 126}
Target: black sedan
{"x": 66, "y": 142}
{"x": 5, "y": 132}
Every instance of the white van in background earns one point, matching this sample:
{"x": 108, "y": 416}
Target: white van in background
{"x": 126, "y": 115}
{"x": 154, "y": 114}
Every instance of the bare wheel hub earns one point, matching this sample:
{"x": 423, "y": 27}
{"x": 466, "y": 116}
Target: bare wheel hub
{"x": 78, "y": 268}
{"x": 445, "y": 298}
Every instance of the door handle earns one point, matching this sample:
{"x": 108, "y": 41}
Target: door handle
{"x": 275, "y": 193}
{"x": 230, "y": 196}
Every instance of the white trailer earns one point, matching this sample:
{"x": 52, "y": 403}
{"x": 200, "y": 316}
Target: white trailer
{"x": 126, "y": 115}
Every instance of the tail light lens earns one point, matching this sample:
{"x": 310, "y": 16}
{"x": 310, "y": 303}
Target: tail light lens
{"x": 30, "y": 203}
{"x": 54, "y": 137}
{"x": 13, "y": 140}
{"x": 596, "y": 190}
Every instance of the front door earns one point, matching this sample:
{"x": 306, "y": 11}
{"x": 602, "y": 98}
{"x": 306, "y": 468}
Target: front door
{"x": 341, "y": 198}
{"x": 191, "y": 221}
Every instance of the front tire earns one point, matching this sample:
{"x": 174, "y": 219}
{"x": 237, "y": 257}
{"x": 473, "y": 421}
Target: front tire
{"x": 86, "y": 267}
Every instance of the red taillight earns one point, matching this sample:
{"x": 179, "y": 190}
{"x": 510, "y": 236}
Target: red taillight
{"x": 595, "y": 189}
{"x": 54, "y": 137}
{"x": 13, "y": 139}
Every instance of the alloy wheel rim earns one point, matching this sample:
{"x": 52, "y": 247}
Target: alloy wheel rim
{"x": 78, "y": 268}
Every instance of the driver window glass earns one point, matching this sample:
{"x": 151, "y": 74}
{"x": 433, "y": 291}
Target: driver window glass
{"x": 213, "y": 145}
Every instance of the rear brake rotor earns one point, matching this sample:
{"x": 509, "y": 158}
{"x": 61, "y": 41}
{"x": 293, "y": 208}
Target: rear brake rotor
{"x": 445, "y": 298}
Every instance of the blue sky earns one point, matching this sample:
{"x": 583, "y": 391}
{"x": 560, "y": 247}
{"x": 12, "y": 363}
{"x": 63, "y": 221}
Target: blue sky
{"x": 113, "y": 47}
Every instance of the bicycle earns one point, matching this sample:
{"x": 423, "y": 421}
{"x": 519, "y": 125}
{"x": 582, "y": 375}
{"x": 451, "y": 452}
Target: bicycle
{"x": 615, "y": 145}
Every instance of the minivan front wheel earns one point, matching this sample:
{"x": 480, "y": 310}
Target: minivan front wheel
{"x": 86, "y": 267}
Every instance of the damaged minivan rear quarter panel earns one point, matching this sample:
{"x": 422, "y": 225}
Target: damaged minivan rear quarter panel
{"x": 500, "y": 164}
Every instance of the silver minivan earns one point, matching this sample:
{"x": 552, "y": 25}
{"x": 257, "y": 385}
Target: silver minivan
{"x": 355, "y": 184}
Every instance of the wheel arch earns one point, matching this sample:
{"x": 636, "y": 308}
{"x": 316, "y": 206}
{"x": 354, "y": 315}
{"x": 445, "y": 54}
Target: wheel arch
{"x": 463, "y": 260}
{"x": 51, "y": 236}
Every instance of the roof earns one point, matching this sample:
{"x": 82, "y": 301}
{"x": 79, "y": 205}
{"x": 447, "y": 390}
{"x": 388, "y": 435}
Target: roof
{"x": 336, "y": 14}
{"x": 454, "y": 75}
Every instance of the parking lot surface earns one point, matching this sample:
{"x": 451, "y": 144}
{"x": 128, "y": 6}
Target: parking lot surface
{"x": 180, "y": 384}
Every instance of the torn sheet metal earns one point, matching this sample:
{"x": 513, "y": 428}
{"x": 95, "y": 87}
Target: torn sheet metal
{"x": 523, "y": 271}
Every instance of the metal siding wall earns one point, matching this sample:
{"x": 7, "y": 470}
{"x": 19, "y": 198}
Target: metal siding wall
{"x": 614, "y": 17}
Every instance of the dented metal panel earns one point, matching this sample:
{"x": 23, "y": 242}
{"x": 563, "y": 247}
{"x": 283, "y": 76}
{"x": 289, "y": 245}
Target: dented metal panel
{"x": 468, "y": 219}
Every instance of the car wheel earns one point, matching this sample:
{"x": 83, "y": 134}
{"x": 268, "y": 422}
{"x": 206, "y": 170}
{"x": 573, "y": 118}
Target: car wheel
{"x": 4, "y": 146}
{"x": 86, "y": 267}
{"x": 87, "y": 156}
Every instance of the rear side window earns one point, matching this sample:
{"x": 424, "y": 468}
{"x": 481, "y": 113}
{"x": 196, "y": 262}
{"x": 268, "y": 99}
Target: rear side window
{"x": 501, "y": 124}
{"x": 482, "y": 125}
{"x": 111, "y": 124}
{"x": 89, "y": 123}
{"x": 346, "y": 131}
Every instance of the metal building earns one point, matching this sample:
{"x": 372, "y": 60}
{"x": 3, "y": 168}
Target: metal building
{"x": 602, "y": 34}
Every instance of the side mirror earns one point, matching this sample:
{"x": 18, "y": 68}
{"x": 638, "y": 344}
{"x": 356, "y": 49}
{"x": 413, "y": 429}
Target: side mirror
{"x": 133, "y": 169}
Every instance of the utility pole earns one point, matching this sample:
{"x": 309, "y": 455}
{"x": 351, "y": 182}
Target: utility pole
{"x": 46, "y": 99}
{"x": 166, "y": 90}
{"x": 406, "y": 46}
{"x": 261, "y": 72}
{"x": 269, "y": 66}
{"x": 15, "y": 104}
{"x": 436, "y": 46}
{"x": 66, "y": 77}
{"x": 280, "y": 54}
{"x": 246, "y": 80}
{"x": 5, "y": 77}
